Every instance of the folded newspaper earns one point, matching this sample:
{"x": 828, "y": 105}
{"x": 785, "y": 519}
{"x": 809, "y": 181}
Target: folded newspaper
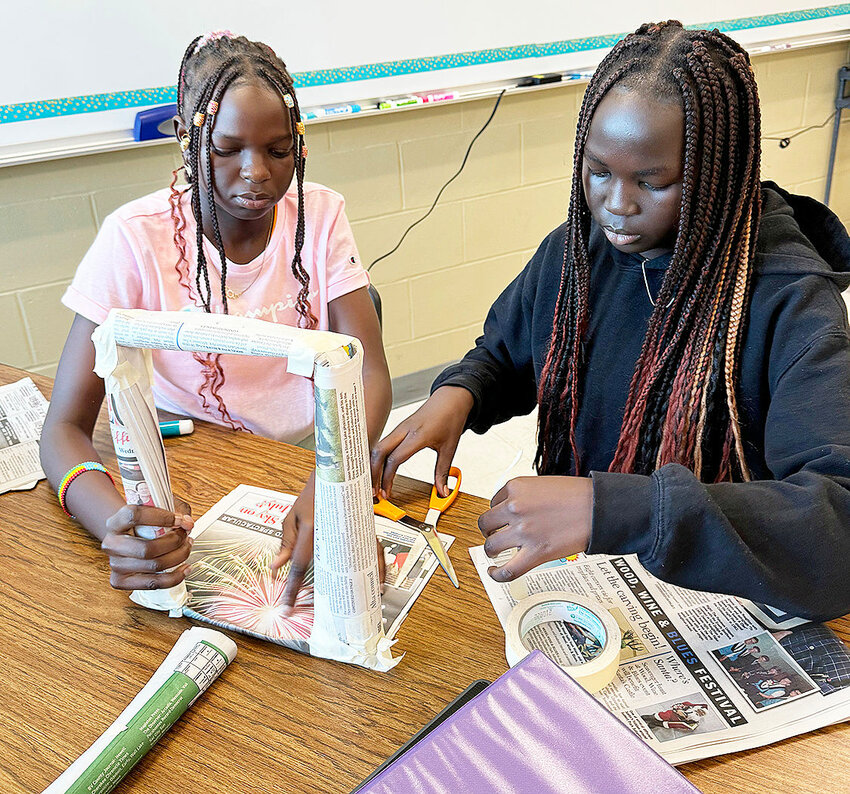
{"x": 231, "y": 586}
{"x": 347, "y": 622}
{"x": 22, "y": 412}
{"x": 699, "y": 675}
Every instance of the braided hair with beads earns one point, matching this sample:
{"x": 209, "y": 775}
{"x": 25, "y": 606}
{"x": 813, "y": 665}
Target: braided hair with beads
{"x": 681, "y": 406}
{"x": 210, "y": 65}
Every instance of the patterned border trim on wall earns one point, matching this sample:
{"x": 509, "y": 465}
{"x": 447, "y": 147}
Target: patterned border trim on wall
{"x": 94, "y": 103}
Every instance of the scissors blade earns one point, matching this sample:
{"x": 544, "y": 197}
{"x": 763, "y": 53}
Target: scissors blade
{"x": 440, "y": 554}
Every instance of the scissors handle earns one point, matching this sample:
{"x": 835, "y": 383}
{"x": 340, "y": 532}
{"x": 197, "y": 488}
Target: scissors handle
{"x": 442, "y": 503}
{"x": 387, "y": 509}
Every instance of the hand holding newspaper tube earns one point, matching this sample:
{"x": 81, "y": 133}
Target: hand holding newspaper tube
{"x": 347, "y": 624}
{"x": 139, "y": 557}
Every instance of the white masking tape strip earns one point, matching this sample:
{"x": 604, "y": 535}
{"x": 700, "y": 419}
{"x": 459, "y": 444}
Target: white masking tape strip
{"x": 579, "y": 635}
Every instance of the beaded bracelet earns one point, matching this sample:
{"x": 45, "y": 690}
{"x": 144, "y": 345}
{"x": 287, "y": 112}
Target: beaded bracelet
{"x": 73, "y": 473}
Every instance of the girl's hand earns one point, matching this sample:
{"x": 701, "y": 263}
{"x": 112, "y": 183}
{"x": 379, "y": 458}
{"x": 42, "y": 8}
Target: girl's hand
{"x": 545, "y": 518}
{"x": 438, "y": 425}
{"x": 141, "y": 564}
{"x": 296, "y": 545}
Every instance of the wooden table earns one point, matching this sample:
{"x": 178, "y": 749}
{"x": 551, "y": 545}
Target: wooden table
{"x": 74, "y": 652}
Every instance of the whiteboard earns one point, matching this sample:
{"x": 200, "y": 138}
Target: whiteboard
{"x": 84, "y": 68}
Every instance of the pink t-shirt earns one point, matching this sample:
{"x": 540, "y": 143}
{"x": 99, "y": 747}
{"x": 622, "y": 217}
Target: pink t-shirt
{"x": 131, "y": 265}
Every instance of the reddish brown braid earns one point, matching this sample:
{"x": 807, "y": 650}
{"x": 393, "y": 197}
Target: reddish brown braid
{"x": 212, "y": 371}
{"x": 681, "y": 406}
{"x": 206, "y": 72}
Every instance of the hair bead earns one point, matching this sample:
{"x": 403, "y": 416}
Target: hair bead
{"x": 212, "y": 108}
{"x": 288, "y": 100}
{"x": 198, "y": 119}
{"x": 299, "y": 127}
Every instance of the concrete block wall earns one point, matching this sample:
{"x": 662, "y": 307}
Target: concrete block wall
{"x": 49, "y": 214}
{"x": 436, "y": 289}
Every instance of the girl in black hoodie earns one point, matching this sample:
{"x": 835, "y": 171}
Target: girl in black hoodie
{"x": 684, "y": 336}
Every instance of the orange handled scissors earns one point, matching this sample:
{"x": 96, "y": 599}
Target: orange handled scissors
{"x": 436, "y": 507}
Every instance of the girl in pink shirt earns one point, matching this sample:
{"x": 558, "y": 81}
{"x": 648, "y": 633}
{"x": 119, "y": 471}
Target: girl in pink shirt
{"x": 268, "y": 245}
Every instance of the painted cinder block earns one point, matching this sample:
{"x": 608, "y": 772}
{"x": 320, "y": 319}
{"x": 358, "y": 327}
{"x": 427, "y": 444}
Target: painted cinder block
{"x": 370, "y": 179}
{"x": 447, "y": 299}
{"x": 435, "y": 243}
{"x": 15, "y": 348}
{"x": 46, "y": 319}
{"x": 42, "y": 242}
{"x": 514, "y": 220}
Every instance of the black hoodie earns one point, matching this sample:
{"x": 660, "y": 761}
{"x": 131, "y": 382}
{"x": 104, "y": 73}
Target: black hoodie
{"x": 783, "y": 539}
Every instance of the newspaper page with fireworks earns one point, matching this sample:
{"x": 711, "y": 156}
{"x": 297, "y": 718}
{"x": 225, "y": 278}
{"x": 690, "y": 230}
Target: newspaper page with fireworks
{"x": 231, "y": 586}
{"x": 347, "y": 608}
{"x": 22, "y": 412}
{"x": 700, "y": 675}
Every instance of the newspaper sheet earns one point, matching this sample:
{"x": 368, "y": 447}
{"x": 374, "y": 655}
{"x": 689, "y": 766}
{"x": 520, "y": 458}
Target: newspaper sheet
{"x": 410, "y": 564}
{"x": 347, "y": 611}
{"x": 230, "y": 584}
{"x": 197, "y": 659}
{"x": 22, "y": 412}
{"x": 699, "y": 675}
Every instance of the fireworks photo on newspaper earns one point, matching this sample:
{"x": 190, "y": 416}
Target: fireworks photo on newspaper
{"x": 230, "y": 583}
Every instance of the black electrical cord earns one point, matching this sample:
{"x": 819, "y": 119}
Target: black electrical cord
{"x": 456, "y": 175}
{"x": 785, "y": 140}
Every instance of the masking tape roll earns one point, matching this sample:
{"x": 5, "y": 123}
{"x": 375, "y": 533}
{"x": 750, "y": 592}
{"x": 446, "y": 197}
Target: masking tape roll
{"x": 587, "y": 647}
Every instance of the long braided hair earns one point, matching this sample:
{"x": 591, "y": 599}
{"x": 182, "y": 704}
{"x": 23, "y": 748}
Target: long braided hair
{"x": 211, "y": 64}
{"x": 681, "y": 405}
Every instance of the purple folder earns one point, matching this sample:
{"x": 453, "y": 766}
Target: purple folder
{"x": 532, "y": 730}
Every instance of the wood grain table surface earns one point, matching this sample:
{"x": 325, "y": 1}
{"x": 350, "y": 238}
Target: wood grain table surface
{"x": 74, "y": 652}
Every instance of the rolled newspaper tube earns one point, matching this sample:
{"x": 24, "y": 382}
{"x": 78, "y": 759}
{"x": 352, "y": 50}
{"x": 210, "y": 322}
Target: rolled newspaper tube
{"x": 136, "y": 489}
{"x": 347, "y": 623}
{"x": 198, "y": 657}
{"x": 127, "y": 373}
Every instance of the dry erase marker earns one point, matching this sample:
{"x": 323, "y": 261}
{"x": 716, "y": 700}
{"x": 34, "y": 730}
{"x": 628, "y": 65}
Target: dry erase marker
{"x": 179, "y": 427}
{"x": 441, "y": 97}
{"x": 540, "y": 79}
{"x": 338, "y": 110}
{"x": 399, "y": 102}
